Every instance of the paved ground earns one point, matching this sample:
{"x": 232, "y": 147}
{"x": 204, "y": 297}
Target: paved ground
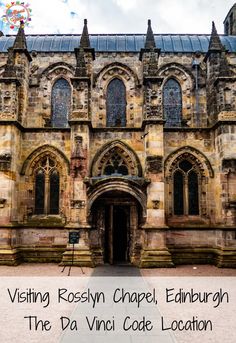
{"x": 222, "y": 316}
{"x": 51, "y": 269}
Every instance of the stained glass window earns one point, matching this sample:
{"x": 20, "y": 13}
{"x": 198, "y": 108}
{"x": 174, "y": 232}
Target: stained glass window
{"x": 61, "y": 103}
{"x": 172, "y": 103}
{"x": 116, "y": 103}
{"x": 47, "y": 187}
{"x": 186, "y": 188}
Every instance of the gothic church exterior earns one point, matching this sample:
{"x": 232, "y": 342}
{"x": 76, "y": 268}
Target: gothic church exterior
{"x": 128, "y": 139}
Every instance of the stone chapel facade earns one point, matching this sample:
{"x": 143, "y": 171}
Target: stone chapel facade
{"x": 128, "y": 139}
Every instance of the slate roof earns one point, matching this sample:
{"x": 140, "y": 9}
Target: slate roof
{"x": 119, "y": 42}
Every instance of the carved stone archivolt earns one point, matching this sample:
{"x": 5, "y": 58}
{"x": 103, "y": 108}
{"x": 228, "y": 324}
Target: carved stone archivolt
{"x": 60, "y": 68}
{"x": 128, "y": 156}
{"x": 180, "y": 72}
{"x": 32, "y": 160}
{"x": 121, "y": 185}
{"x": 116, "y": 69}
{"x": 200, "y": 165}
{"x": 194, "y": 155}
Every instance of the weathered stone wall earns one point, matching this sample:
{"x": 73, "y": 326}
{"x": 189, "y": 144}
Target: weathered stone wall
{"x": 77, "y": 147}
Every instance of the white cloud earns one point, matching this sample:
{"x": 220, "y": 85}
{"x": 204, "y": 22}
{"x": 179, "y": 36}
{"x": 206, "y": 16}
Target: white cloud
{"x": 126, "y": 5}
{"x": 127, "y": 16}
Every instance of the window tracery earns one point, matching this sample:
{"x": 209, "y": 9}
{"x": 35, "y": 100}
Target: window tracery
{"x": 47, "y": 187}
{"x": 186, "y": 189}
{"x": 116, "y": 165}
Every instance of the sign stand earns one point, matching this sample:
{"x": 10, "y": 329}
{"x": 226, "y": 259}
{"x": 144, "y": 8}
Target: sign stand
{"x": 73, "y": 239}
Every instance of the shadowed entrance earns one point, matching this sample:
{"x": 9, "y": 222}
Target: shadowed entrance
{"x": 117, "y": 234}
{"x": 115, "y": 217}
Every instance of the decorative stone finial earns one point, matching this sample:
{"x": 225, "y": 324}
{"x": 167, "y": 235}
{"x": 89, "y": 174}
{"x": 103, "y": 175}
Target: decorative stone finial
{"x": 150, "y": 41}
{"x": 215, "y": 42}
{"x": 84, "y": 40}
{"x": 20, "y": 41}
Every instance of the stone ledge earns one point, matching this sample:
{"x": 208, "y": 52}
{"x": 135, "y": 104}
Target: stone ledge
{"x": 153, "y": 258}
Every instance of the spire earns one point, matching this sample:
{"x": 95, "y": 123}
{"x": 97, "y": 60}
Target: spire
{"x": 80, "y": 69}
{"x": 215, "y": 42}
{"x": 20, "y": 41}
{"x": 150, "y": 41}
{"x": 84, "y": 40}
{"x": 19, "y": 44}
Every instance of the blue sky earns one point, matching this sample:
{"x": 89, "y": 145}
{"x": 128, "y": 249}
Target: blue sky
{"x": 126, "y": 16}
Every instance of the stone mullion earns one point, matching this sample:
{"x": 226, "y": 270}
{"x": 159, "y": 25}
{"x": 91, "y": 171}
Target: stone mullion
{"x": 46, "y": 194}
{"x": 200, "y": 195}
{"x": 186, "y": 192}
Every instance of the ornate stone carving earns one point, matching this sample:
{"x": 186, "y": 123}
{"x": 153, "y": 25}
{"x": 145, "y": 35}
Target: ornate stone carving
{"x": 229, "y": 165}
{"x": 32, "y": 160}
{"x": 5, "y": 162}
{"x": 154, "y": 112}
{"x": 34, "y": 68}
{"x": 2, "y": 202}
{"x": 10, "y": 70}
{"x": 77, "y": 203}
{"x": 78, "y": 159}
{"x": 151, "y": 67}
{"x": 155, "y": 204}
{"x": 104, "y": 155}
{"x": 183, "y": 73}
{"x": 53, "y": 71}
{"x": 116, "y": 68}
{"x": 187, "y": 152}
{"x": 154, "y": 164}
{"x": 227, "y": 115}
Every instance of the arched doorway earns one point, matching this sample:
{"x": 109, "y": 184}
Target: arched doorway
{"x": 114, "y": 237}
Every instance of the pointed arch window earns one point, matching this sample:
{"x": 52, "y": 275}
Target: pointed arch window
{"x": 116, "y": 103}
{"x": 61, "y": 103}
{"x": 172, "y": 103}
{"x": 186, "y": 189}
{"x": 47, "y": 187}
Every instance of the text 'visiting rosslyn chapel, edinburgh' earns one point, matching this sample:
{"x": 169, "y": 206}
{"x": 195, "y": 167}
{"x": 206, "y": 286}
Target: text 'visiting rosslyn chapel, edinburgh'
{"x": 128, "y": 139}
